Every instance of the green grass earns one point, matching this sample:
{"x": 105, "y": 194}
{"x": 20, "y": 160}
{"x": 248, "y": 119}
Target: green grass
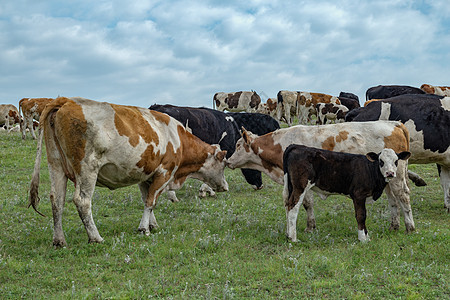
{"x": 229, "y": 246}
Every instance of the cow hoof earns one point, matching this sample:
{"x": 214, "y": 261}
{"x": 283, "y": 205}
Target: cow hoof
{"x": 96, "y": 241}
{"x": 256, "y": 188}
{"x": 410, "y": 228}
{"x": 394, "y": 227}
{"x": 59, "y": 244}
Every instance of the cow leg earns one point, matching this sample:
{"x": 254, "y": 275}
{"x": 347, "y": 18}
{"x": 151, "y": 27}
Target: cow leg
{"x": 360, "y": 214}
{"x": 445, "y": 183}
{"x": 308, "y": 205}
{"x": 57, "y": 198}
{"x": 292, "y": 202}
{"x": 84, "y": 189}
{"x": 150, "y": 192}
{"x": 205, "y": 190}
{"x": 398, "y": 194}
{"x": 30, "y": 125}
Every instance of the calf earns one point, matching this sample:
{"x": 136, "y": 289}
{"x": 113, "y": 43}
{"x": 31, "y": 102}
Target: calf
{"x": 236, "y": 102}
{"x": 108, "y": 145}
{"x": 330, "y": 112}
{"x": 327, "y": 172}
{"x": 265, "y": 153}
{"x": 31, "y": 109}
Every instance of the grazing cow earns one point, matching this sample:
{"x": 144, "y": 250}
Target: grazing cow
{"x": 286, "y": 105}
{"x": 330, "y": 112}
{"x": 98, "y": 143}
{"x": 264, "y": 153}
{"x": 351, "y": 101}
{"x": 216, "y": 127}
{"x": 236, "y": 102}
{"x": 9, "y": 115}
{"x": 427, "y": 118}
{"x": 388, "y": 91}
{"x": 31, "y": 109}
{"x": 357, "y": 176}
{"x": 436, "y": 90}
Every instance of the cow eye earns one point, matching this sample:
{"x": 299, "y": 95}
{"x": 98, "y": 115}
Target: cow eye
{"x": 381, "y": 163}
{"x": 396, "y": 162}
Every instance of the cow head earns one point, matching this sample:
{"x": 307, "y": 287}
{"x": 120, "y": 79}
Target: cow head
{"x": 212, "y": 171}
{"x": 243, "y": 155}
{"x": 387, "y": 161}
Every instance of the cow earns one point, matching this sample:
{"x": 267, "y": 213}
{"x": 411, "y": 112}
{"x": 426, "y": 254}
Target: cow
{"x": 436, "y": 90}
{"x": 9, "y": 115}
{"x": 330, "y": 112}
{"x": 388, "y": 91}
{"x": 97, "y": 143}
{"x": 351, "y": 101}
{"x": 427, "y": 118}
{"x": 236, "y": 102}
{"x": 265, "y": 153}
{"x": 286, "y": 105}
{"x": 216, "y": 127}
{"x": 31, "y": 109}
{"x": 356, "y": 176}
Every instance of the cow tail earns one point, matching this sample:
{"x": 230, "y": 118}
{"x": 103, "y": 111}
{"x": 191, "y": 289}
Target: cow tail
{"x": 33, "y": 198}
{"x": 34, "y": 186}
{"x": 287, "y": 190}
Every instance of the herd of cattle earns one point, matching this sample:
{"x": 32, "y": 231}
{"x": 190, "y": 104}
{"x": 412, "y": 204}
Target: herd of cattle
{"x": 97, "y": 143}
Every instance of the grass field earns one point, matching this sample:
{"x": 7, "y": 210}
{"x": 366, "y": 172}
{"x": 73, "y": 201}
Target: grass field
{"x": 229, "y": 246}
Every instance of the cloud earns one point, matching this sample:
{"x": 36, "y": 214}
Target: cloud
{"x": 182, "y": 52}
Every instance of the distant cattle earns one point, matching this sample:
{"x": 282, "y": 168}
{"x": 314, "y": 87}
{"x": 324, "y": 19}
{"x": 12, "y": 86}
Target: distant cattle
{"x": 236, "y": 102}
{"x": 9, "y": 115}
{"x": 216, "y": 127}
{"x": 437, "y": 90}
{"x": 265, "y": 153}
{"x": 388, "y": 91}
{"x": 359, "y": 177}
{"x": 31, "y": 109}
{"x": 301, "y": 105}
{"x": 351, "y": 101}
{"x": 427, "y": 118}
{"x": 330, "y": 113}
{"x": 98, "y": 143}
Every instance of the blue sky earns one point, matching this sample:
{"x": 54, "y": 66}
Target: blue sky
{"x": 182, "y": 52}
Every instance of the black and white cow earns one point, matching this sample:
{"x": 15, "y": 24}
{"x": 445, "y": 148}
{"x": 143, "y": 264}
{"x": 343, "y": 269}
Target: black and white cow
{"x": 350, "y": 100}
{"x": 236, "y": 102}
{"x": 216, "y": 127}
{"x": 427, "y": 118}
{"x": 388, "y": 91}
{"x": 357, "y": 176}
{"x": 330, "y": 113}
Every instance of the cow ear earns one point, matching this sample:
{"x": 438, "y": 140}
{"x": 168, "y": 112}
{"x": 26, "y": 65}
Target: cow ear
{"x": 404, "y": 155}
{"x": 245, "y": 135}
{"x": 372, "y": 156}
{"x": 221, "y": 155}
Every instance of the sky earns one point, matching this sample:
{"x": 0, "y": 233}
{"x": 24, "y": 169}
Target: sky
{"x": 183, "y": 52}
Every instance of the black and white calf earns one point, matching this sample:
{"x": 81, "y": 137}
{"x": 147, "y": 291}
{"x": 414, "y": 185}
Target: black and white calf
{"x": 360, "y": 177}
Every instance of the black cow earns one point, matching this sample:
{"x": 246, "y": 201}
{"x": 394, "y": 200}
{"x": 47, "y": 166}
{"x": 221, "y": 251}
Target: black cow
{"x": 216, "y": 127}
{"x": 427, "y": 118}
{"x": 389, "y": 91}
{"x": 360, "y": 177}
{"x": 350, "y": 100}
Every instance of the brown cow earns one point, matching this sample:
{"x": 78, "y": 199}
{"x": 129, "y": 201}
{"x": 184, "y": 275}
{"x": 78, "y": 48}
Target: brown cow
{"x": 108, "y": 145}
{"x": 31, "y": 109}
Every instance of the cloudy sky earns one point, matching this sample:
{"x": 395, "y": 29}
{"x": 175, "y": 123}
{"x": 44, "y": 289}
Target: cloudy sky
{"x": 182, "y": 52}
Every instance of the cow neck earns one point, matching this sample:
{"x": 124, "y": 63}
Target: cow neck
{"x": 193, "y": 153}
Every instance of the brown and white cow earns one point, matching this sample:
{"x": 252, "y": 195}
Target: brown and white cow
{"x": 108, "y": 145}
{"x": 265, "y": 153}
{"x": 359, "y": 177}
{"x": 31, "y": 109}
{"x": 9, "y": 115}
{"x": 236, "y": 102}
{"x": 330, "y": 113}
{"x": 437, "y": 90}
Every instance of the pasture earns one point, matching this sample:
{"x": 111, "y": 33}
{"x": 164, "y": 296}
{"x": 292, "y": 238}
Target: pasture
{"x": 229, "y": 246}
